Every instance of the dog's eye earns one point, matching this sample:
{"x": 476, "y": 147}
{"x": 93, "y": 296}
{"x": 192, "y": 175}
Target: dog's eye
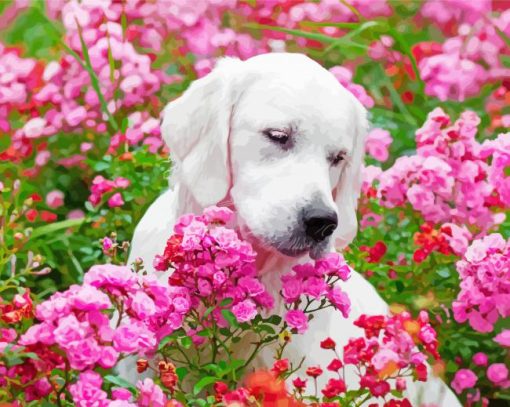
{"x": 277, "y": 136}
{"x": 335, "y": 160}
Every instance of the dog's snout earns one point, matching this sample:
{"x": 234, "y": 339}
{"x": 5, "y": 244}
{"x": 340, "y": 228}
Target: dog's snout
{"x": 320, "y": 223}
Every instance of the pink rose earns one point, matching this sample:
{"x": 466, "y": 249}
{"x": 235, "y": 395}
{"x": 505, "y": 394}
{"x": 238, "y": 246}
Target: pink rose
{"x": 480, "y": 359}
{"x": 464, "y": 379}
{"x": 245, "y": 310}
{"x": 296, "y": 319}
{"x": 497, "y": 373}
{"x": 115, "y": 200}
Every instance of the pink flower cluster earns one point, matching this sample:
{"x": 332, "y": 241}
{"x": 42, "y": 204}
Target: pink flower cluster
{"x": 485, "y": 283}
{"x": 449, "y": 178}
{"x": 314, "y": 282}
{"x": 101, "y": 186}
{"x": 470, "y": 59}
{"x": 212, "y": 264}
{"x": 78, "y": 322}
{"x": 142, "y": 128}
{"x": 87, "y": 391}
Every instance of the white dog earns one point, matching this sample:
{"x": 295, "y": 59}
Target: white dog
{"x": 280, "y": 141}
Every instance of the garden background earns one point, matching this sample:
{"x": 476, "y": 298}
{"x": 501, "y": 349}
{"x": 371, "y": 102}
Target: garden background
{"x": 82, "y": 84}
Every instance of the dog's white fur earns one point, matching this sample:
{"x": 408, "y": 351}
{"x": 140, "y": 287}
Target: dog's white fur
{"x": 215, "y": 132}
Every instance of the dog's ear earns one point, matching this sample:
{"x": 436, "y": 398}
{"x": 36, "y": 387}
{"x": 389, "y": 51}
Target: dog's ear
{"x": 349, "y": 185}
{"x": 196, "y": 129}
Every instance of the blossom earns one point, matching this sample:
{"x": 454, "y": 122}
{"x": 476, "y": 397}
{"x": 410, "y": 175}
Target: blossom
{"x": 297, "y": 320}
{"x": 377, "y": 143}
{"x": 464, "y": 379}
{"x": 484, "y": 293}
{"x": 497, "y": 373}
{"x": 55, "y": 199}
{"x": 150, "y": 394}
{"x": 334, "y": 387}
{"x": 328, "y": 343}
{"x": 245, "y": 310}
{"x": 480, "y": 359}
{"x": 503, "y": 338}
{"x": 314, "y": 371}
{"x": 87, "y": 390}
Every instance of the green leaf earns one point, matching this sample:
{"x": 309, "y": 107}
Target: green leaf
{"x": 56, "y": 227}
{"x": 165, "y": 341}
{"x": 226, "y": 301}
{"x": 230, "y": 317}
{"x": 118, "y": 381}
{"x": 204, "y": 333}
{"x": 208, "y": 311}
{"x": 267, "y": 328}
{"x": 274, "y": 319}
{"x": 181, "y": 373}
{"x": 185, "y": 342}
{"x": 203, "y": 382}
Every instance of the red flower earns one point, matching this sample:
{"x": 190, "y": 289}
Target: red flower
{"x": 31, "y": 215}
{"x": 328, "y": 343}
{"x": 334, "y": 387}
{"x": 371, "y": 324}
{"x": 376, "y": 252}
{"x": 335, "y": 365}
{"x": 167, "y": 375}
{"x": 421, "y": 372}
{"x": 299, "y": 384}
{"x": 314, "y": 371}
{"x": 280, "y": 366}
{"x": 48, "y": 217}
{"x": 380, "y": 388}
{"x": 142, "y": 365}
{"x": 220, "y": 387}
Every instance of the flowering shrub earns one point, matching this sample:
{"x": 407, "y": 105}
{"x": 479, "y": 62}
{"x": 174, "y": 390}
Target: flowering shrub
{"x": 212, "y": 301}
{"x": 82, "y": 84}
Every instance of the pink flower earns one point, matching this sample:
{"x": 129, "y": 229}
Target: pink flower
{"x": 150, "y": 394}
{"x": 296, "y": 319}
{"x": 340, "y": 300}
{"x": 89, "y": 298}
{"x": 115, "y": 200}
{"x": 215, "y": 214}
{"x": 109, "y": 357}
{"x": 377, "y": 143}
{"x": 87, "y": 390}
{"x": 464, "y": 379}
{"x": 142, "y": 305}
{"x": 292, "y": 288}
{"x": 497, "y": 373}
{"x": 245, "y": 311}
{"x": 503, "y": 338}
{"x": 55, "y": 199}
{"x": 83, "y": 354}
{"x": 251, "y": 285}
{"x": 480, "y": 359}
{"x": 133, "y": 337}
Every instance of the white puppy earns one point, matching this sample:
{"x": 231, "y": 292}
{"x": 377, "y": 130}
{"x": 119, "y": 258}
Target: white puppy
{"x": 280, "y": 141}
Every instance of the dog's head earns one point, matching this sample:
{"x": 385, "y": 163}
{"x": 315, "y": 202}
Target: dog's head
{"x": 281, "y": 137}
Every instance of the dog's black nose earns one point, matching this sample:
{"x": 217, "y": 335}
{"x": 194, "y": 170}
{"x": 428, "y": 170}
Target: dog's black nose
{"x": 320, "y": 223}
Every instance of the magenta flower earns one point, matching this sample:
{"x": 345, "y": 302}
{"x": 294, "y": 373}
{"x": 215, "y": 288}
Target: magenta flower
{"x": 464, "y": 379}
{"x": 497, "y": 373}
{"x": 245, "y": 311}
{"x": 297, "y": 319}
